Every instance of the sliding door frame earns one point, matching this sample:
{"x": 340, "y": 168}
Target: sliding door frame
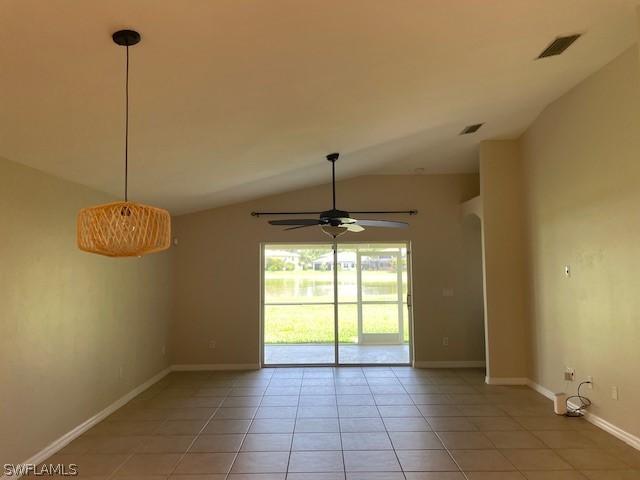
{"x": 336, "y": 303}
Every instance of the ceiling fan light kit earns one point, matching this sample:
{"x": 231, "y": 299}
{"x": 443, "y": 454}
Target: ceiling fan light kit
{"x": 336, "y": 222}
{"x": 333, "y": 231}
{"x": 124, "y": 229}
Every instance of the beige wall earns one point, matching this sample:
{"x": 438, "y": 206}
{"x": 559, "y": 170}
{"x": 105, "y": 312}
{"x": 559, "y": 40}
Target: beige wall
{"x": 217, "y": 266}
{"x": 581, "y": 162}
{"x": 504, "y": 260}
{"x": 69, "y": 320}
{"x": 566, "y": 193}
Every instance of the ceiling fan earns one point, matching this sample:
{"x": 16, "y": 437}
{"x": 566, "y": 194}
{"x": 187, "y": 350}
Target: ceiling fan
{"x": 334, "y": 222}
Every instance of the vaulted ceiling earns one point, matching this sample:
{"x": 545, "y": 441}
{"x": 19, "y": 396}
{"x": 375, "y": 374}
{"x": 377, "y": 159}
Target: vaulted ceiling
{"x": 234, "y": 99}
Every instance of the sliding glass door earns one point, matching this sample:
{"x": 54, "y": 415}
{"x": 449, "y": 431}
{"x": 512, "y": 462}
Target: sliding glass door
{"x": 298, "y": 305}
{"x": 356, "y": 313}
{"x": 374, "y": 305}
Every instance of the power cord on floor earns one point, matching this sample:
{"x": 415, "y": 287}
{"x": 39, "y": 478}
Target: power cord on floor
{"x": 582, "y": 406}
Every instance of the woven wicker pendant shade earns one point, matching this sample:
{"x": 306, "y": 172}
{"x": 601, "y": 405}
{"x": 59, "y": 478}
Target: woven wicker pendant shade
{"x": 123, "y": 229}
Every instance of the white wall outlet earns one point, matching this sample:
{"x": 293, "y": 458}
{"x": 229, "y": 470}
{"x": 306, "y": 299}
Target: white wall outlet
{"x": 445, "y": 341}
{"x": 447, "y": 292}
{"x": 614, "y": 392}
{"x": 567, "y": 270}
{"x": 590, "y": 384}
{"x": 212, "y": 344}
{"x": 569, "y": 374}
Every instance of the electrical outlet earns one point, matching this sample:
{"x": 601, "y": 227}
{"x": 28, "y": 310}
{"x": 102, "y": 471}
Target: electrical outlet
{"x": 445, "y": 341}
{"x": 614, "y": 392}
{"x": 212, "y": 344}
{"x": 567, "y": 270}
{"x": 569, "y": 374}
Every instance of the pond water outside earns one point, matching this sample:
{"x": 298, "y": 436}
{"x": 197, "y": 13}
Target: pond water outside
{"x": 313, "y": 286}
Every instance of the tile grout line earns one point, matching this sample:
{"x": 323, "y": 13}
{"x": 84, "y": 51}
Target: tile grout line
{"x": 375, "y": 402}
{"x": 464, "y": 474}
{"x": 335, "y": 389}
{"x": 522, "y": 473}
{"x": 197, "y": 436}
{"x": 252, "y": 419}
{"x": 135, "y": 450}
{"x": 385, "y": 425}
{"x": 293, "y": 433}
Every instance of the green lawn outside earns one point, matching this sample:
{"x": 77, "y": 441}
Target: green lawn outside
{"x": 291, "y": 324}
{"x": 314, "y": 323}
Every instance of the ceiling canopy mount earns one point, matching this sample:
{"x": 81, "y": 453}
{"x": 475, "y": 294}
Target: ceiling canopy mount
{"x": 126, "y": 38}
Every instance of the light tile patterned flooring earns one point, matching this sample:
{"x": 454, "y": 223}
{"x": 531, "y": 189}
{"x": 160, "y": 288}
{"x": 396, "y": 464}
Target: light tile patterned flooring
{"x": 345, "y": 423}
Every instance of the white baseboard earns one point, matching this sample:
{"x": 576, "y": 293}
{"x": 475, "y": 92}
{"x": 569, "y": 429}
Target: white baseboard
{"x": 197, "y": 367}
{"x": 609, "y": 427}
{"x": 600, "y": 422}
{"x": 71, "y": 435}
{"x": 450, "y": 364}
{"x": 541, "y": 390}
{"x": 506, "y": 380}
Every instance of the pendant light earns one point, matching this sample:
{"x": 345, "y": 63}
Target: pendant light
{"x": 124, "y": 229}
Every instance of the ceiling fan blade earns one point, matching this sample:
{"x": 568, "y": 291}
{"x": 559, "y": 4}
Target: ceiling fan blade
{"x": 300, "y": 226}
{"x": 296, "y": 221}
{"x": 354, "y": 227}
{"x": 382, "y": 223}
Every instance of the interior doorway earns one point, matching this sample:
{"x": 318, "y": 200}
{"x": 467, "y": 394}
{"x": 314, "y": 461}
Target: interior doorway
{"x": 358, "y": 313}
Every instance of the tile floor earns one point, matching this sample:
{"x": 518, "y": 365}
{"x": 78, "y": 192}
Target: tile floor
{"x": 345, "y": 423}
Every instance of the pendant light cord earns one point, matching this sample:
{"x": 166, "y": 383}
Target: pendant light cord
{"x": 126, "y": 132}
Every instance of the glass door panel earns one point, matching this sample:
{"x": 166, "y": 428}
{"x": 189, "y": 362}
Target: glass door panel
{"x": 380, "y": 313}
{"x": 379, "y": 277}
{"x": 381, "y": 319}
{"x": 298, "y": 305}
{"x": 348, "y": 323}
{"x": 348, "y": 292}
{"x": 381, "y": 299}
